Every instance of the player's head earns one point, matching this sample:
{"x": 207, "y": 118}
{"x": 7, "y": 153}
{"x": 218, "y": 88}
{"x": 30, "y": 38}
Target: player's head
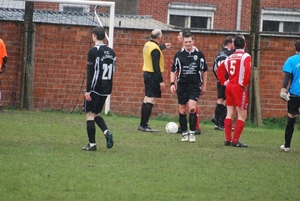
{"x": 188, "y": 41}
{"x": 239, "y": 35}
{"x": 297, "y": 46}
{"x": 181, "y": 33}
{"x": 239, "y": 43}
{"x": 99, "y": 33}
{"x": 156, "y": 34}
{"x": 228, "y": 42}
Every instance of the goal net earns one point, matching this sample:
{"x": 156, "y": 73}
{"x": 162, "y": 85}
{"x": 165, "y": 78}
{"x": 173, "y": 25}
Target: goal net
{"x": 68, "y": 12}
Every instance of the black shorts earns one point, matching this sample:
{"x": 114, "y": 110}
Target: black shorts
{"x": 221, "y": 90}
{"x": 152, "y": 85}
{"x": 293, "y": 105}
{"x": 186, "y": 92}
{"x": 96, "y": 105}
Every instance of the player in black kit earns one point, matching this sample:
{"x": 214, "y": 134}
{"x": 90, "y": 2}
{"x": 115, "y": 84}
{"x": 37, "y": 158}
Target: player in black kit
{"x": 220, "y": 110}
{"x": 191, "y": 70}
{"x": 100, "y": 71}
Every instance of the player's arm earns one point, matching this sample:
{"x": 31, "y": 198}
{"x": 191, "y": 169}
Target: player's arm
{"x": 89, "y": 75}
{"x": 286, "y": 80}
{"x": 155, "y": 55}
{"x": 215, "y": 67}
{"x": 173, "y": 75}
{"x": 172, "y": 83}
{"x": 203, "y": 86}
{"x": 247, "y": 73}
{"x": 284, "y": 94}
{"x": 221, "y": 73}
{"x": 204, "y": 76}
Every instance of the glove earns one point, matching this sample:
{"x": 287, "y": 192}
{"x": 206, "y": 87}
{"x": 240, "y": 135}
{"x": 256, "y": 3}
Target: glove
{"x": 285, "y": 96}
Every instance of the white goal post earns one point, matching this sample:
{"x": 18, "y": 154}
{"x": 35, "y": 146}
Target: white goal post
{"x": 110, "y": 38}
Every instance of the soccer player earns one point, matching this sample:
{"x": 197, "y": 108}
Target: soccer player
{"x": 291, "y": 73}
{"x": 100, "y": 72}
{"x": 238, "y": 68}
{"x": 180, "y": 41}
{"x": 220, "y": 110}
{"x": 3, "y": 61}
{"x": 153, "y": 68}
{"x": 191, "y": 69}
{"x": 3, "y": 56}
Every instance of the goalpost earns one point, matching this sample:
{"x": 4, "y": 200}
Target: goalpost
{"x": 109, "y": 37}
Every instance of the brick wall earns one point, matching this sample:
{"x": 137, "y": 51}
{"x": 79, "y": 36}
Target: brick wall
{"x": 225, "y": 15}
{"x": 128, "y": 7}
{"x": 226, "y": 10}
{"x": 60, "y": 61}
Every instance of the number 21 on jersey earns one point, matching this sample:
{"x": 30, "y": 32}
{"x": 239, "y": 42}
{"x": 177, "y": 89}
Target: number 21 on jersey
{"x": 107, "y": 71}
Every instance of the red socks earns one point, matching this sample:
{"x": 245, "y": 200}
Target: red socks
{"x": 227, "y": 128}
{"x": 238, "y": 129}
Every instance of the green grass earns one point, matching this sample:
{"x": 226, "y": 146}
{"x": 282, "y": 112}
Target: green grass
{"x": 41, "y": 159}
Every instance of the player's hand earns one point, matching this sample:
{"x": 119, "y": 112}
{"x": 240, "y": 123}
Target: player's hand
{"x": 226, "y": 82}
{"x": 284, "y": 94}
{"x": 162, "y": 85}
{"x": 168, "y": 45}
{"x": 203, "y": 90}
{"x": 87, "y": 96}
{"x": 173, "y": 89}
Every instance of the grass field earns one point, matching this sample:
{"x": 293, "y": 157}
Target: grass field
{"x": 41, "y": 159}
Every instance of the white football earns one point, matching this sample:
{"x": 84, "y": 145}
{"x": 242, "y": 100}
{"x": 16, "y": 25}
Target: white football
{"x": 171, "y": 127}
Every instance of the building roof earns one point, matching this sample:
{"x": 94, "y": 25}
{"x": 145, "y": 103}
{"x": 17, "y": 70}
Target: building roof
{"x": 84, "y": 19}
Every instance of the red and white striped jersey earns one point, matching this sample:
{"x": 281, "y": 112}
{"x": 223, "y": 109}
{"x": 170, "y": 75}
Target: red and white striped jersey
{"x": 238, "y": 67}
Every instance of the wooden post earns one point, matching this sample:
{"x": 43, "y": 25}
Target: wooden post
{"x": 26, "y": 101}
{"x": 254, "y": 92}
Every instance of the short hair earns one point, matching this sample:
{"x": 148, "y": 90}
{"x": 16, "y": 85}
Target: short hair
{"x": 297, "y": 46}
{"x": 227, "y": 40}
{"x": 187, "y": 35}
{"x": 185, "y": 31}
{"x": 156, "y": 33}
{"x": 99, "y": 32}
{"x": 239, "y": 43}
{"x": 239, "y": 35}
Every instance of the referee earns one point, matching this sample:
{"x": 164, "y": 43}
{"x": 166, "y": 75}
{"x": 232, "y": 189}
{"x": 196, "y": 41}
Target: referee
{"x": 153, "y": 68}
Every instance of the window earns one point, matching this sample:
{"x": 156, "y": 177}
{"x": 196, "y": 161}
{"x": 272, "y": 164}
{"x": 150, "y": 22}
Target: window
{"x": 291, "y": 27}
{"x": 280, "y": 20}
{"x": 191, "y": 15}
{"x": 270, "y": 25}
{"x": 12, "y": 4}
{"x": 74, "y": 8}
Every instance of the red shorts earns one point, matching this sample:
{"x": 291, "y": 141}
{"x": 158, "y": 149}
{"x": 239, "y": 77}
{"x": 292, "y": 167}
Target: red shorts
{"x": 237, "y": 96}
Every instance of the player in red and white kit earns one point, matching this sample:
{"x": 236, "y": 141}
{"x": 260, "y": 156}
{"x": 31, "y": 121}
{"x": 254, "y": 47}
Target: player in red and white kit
{"x": 238, "y": 67}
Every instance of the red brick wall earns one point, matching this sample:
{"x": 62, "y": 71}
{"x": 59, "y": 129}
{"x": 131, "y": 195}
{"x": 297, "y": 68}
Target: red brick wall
{"x": 226, "y": 10}
{"x": 60, "y": 61}
{"x": 274, "y": 52}
{"x": 225, "y": 17}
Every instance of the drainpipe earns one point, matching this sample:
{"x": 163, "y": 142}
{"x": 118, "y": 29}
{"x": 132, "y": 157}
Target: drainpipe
{"x": 239, "y": 15}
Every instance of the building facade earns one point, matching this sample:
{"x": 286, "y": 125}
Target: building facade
{"x": 60, "y": 54}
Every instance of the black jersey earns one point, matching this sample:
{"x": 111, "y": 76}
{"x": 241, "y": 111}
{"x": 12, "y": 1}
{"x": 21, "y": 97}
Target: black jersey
{"x": 189, "y": 66}
{"x": 100, "y": 70}
{"x": 221, "y": 56}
